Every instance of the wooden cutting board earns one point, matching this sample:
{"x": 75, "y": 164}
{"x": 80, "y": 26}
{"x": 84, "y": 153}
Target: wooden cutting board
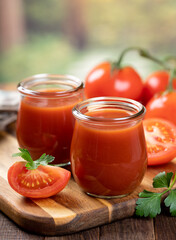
{"x": 69, "y": 211}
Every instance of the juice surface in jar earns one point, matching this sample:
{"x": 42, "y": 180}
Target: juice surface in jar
{"x": 108, "y": 156}
{"x": 45, "y": 122}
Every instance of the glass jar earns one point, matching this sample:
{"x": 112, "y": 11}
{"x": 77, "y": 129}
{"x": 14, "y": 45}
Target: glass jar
{"x": 108, "y": 150}
{"x": 45, "y": 122}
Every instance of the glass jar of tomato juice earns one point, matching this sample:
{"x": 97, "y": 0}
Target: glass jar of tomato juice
{"x": 108, "y": 150}
{"x": 45, "y": 122}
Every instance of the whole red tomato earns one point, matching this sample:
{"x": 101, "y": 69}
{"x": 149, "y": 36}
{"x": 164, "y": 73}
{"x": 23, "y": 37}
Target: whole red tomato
{"x": 155, "y": 83}
{"x": 119, "y": 82}
{"x": 163, "y": 106}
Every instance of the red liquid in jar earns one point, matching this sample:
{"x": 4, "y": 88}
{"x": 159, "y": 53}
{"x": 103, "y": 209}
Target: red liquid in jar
{"x": 45, "y": 125}
{"x": 108, "y": 160}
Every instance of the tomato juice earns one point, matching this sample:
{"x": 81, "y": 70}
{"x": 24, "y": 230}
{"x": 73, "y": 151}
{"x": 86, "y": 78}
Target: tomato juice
{"x": 108, "y": 152}
{"x": 45, "y": 122}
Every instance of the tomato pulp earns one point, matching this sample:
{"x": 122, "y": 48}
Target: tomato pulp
{"x": 108, "y": 160}
{"x": 161, "y": 140}
{"x": 45, "y": 122}
{"x": 45, "y": 181}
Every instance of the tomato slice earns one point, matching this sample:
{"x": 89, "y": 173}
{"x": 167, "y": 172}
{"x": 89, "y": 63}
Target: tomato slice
{"x": 45, "y": 181}
{"x": 161, "y": 140}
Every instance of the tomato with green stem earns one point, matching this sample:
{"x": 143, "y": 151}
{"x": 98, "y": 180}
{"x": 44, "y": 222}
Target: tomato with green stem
{"x": 155, "y": 83}
{"x": 163, "y": 105}
{"x": 113, "y": 79}
{"x": 161, "y": 140}
{"x": 36, "y": 179}
{"x": 120, "y": 82}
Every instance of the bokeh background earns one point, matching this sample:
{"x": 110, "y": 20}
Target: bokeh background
{"x": 71, "y": 36}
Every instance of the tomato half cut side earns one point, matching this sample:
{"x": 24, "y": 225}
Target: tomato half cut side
{"x": 161, "y": 140}
{"x": 43, "y": 182}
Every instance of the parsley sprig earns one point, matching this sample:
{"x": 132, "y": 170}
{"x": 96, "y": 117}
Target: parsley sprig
{"x": 149, "y": 203}
{"x": 43, "y": 160}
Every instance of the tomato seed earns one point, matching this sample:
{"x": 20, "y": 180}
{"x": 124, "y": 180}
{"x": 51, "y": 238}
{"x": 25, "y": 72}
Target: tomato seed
{"x": 149, "y": 129}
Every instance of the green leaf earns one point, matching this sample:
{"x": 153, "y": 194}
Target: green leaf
{"x": 149, "y": 203}
{"x": 31, "y": 165}
{"x": 16, "y": 155}
{"x": 24, "y": 154}
{"x": 145, "y": 194}
{"x": 162, "y": 180}
{"x": 43, "y": 160}
{"x": 170, "y": 202}
{"x": 149, "y": 206}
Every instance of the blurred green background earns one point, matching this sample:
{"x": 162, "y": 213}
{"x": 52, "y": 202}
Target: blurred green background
{"x": 71, "y": 36}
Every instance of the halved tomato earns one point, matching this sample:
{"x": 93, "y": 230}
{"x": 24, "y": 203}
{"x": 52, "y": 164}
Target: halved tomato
{"x": 45, "y": 181}
{"x": 161, "y": 140}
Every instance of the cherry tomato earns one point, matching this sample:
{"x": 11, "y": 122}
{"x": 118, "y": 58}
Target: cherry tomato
{"x": 123, "y": 82}
{"x": 155, "y": 83}
{"x": 45, "y": 181}
{"x": 161, "y": 140}
{"x": 162, "y": 106}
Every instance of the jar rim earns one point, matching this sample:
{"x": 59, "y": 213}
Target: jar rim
{"x": 114, "y": 101}
{"x": 23, "y": 87}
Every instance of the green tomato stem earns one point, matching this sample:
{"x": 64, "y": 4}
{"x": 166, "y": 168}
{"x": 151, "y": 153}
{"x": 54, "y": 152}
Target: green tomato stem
{"x": 142, "y": 53}
{"x": 118, "y": 63}
{"x": 171, "y": 60}
{"x": 171, "y": 77}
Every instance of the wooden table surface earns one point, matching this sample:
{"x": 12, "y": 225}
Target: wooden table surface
{"x": 162, "y": 227}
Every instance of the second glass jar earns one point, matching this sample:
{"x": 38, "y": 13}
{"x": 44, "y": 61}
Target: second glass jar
{"x": 45, "y": 122}
{"x": 108, "y": 151}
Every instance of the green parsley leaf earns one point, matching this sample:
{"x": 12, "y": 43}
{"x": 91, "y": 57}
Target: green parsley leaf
{"x": 43, "y": 160}
{"x": 24, "y": 154}
{"x": 149, "y": 206}
{"x": 170, "y": 201}
{"x": 149, "y": 203}
{"x": 145, "y": 194}
{"x": 162, "y": 180}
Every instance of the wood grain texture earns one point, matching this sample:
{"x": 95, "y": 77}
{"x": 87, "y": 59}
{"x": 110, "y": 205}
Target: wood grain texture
{"x": 10, "y": 231}
{"x": 69, "y": 211}
{"x": 165, "y": 226}
{"x": 92, "y": 234}
{"x": 130, "y": 228}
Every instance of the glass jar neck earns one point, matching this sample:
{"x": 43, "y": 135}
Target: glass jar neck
{"x": 50, "y": 85}
{"x": 83, "y": 110}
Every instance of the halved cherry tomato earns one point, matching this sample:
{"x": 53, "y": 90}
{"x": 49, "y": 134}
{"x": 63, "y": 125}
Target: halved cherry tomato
{"x": 119, "y": 82}
{"x": 155, "y": 83}
{"x": 45, "y": 181}
{"x": 161, "y": 140}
